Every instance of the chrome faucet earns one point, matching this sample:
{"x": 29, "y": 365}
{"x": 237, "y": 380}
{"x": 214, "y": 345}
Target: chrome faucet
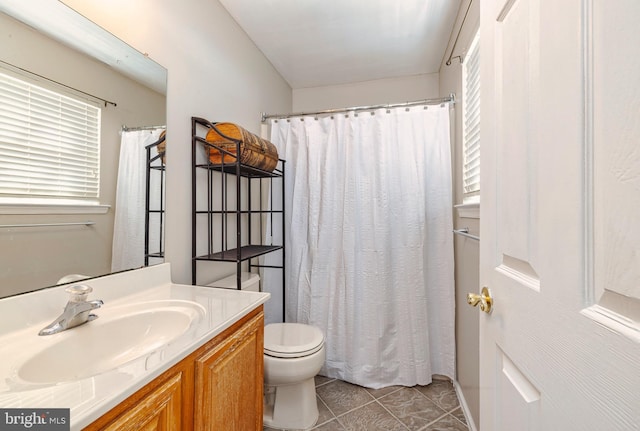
{"x": 76, "y": 312}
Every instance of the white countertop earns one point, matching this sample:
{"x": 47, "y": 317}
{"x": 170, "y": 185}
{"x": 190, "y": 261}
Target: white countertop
{"x": 22, "y": 316}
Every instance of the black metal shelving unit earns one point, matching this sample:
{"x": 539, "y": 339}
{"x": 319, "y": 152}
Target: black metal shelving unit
{"x": 231, "y": 219}
{"x": 156, "y": 169}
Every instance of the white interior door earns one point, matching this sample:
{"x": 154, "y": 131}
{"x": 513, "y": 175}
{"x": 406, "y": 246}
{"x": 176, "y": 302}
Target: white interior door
{"x": 560, "y": 207}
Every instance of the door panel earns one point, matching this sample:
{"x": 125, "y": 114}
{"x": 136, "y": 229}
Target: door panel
{"x": 548, "y": 358}
{"x": 616, "y": 162}
{"x": 516, "y": 64}
{"x": 517, "y": 395}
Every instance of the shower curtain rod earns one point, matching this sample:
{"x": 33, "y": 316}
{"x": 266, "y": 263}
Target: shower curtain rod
{"x": 450, "y": 99}
{"x": 131, "y": 129}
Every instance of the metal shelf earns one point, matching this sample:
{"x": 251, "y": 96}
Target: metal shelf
{"x": 246, "y": 252}
{"x": 245, "y": 171}
{"x": 216, "y": 191}
{"x": 241, "y": 211}
{"x": 154, "y": 163}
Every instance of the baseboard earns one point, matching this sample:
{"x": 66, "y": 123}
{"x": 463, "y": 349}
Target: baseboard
{"x": 464, "y": 406}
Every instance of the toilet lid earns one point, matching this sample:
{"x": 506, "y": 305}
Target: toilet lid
{"x": 291, "y": 340}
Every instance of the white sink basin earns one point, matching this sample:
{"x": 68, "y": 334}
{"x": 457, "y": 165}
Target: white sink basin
{"x": 118, "y": 336}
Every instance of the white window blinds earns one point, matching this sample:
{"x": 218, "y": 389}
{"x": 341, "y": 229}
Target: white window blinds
{"x": 49, "y": 143}
{"x": 471, "y": 122}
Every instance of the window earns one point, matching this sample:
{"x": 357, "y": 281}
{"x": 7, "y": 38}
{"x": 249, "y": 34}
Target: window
{"x": 49, "y": 144}
{"x": 471, "y": 123}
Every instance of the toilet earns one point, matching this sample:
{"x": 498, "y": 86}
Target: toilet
{"x": 248, "y": 281}
{"x": 293, "y": 355}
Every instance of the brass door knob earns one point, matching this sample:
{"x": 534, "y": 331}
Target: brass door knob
{"x": 484, "y": 299}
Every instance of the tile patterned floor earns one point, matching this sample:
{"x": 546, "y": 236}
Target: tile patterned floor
{"x": 346, "y": 407}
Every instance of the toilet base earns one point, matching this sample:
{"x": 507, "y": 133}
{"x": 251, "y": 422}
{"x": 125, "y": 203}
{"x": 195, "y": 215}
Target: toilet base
{"x": 291, "y": 406}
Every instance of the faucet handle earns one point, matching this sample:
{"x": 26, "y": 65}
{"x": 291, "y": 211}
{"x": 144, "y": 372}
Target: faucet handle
{"x": 79, "y": 292}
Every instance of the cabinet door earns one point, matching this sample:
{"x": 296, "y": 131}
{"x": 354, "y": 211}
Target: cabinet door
{"x": 229, "y": 380}
{"x": 159, "y": 410}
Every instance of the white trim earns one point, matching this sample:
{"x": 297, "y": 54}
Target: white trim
{"x": 471, "y": 210}
{"x": 464, "y": 406}
{"x": 53, "y": 209}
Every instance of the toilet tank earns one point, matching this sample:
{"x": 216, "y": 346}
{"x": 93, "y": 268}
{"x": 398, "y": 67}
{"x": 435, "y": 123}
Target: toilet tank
{"x": 249, "y": 281}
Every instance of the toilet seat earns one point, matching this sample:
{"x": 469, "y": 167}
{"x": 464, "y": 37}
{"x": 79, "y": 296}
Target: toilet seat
{"x": 292, "y": 340}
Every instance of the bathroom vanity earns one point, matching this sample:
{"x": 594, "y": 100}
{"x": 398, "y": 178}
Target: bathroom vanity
{"x": 219, "y": 386}
{"x": 159, "y": 355}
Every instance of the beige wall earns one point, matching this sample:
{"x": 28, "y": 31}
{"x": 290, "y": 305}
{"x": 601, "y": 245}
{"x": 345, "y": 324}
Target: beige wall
{"x": 214, "y": 71}
{"x": 37, "y": 257}
{"x": 381, "y": 91}
{"x": 466, "y": 250}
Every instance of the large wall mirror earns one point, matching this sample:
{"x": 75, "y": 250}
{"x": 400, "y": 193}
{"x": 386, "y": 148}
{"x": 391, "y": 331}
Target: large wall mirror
{"x": 51, "y": 45}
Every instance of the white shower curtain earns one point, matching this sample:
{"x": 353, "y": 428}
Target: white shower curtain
{"x": 128, "y": 227}
{"x": 369, "y": 241}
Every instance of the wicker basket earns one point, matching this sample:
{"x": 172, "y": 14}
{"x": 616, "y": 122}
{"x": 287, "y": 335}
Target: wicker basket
{"x": 254, "y": 151}
{"x": 162, "y": 146}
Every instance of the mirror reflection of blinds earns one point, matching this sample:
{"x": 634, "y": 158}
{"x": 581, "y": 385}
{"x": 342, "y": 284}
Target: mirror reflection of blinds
{"x": 49, "y": 143}
{"x": 471, "y": 121}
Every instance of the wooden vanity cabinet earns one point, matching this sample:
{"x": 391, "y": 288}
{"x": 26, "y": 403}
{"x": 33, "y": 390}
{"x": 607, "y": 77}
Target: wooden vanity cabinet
{"x": 229, "y": 380}
{"x": 158, "y": 406}
{"x": 217, "y": 387}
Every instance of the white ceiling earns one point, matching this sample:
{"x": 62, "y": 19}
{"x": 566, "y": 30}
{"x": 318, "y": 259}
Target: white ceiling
{"x": 326, "y": 42}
